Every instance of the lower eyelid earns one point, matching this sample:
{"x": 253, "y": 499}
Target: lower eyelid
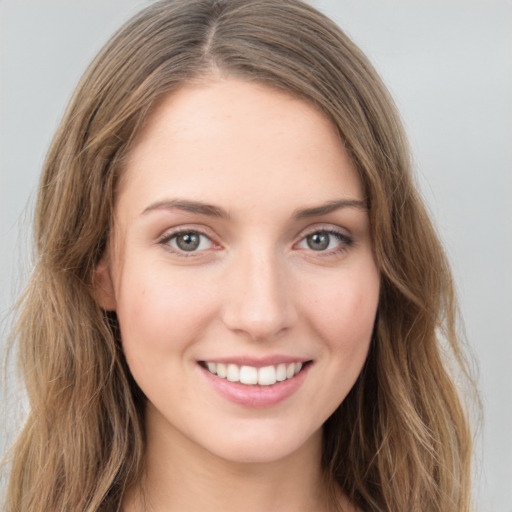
{"x": 165, "y": 240}
{"x": 343, "y": 238}
{"x": 344, "y": 241}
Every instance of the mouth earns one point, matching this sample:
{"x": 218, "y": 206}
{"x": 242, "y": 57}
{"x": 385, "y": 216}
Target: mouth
{"x": 252, "y": 375}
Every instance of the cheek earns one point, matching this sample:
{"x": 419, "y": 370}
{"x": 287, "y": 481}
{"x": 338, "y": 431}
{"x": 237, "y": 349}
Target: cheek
{"x": 347, "y": 302}
{"x": 159, "y": 312}
{"x": 342, "y": 312}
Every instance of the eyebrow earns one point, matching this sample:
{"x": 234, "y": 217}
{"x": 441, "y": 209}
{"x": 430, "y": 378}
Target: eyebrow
{"x": 188, "y": 206}
{"x": 330, "y": 207}
{"x": 215, "y": 211}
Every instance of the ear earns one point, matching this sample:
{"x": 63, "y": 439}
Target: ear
{"x": 103, "y": 288}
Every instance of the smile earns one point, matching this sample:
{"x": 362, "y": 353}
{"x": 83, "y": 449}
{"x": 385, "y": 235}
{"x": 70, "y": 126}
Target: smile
{"x": 250, "y": 375}
{"x": 256, "y": 382}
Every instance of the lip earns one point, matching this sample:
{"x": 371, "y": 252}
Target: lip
{"x": 254, "y": 395}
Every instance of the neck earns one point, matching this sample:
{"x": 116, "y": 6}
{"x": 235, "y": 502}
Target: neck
{"x": 180, "y": 475}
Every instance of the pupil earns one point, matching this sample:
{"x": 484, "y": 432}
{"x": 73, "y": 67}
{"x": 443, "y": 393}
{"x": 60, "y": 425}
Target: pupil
{"x": 188, "y": 241}
{"x": 318, "y": 241}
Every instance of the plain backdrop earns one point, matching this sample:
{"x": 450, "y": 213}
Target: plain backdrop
{"x": 448, "y": 65}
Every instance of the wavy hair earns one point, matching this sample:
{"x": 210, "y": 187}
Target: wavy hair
{"x": 400, "y": 440}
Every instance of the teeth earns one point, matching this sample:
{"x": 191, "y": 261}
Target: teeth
{"x": 233, "y": 373}
{"x": 265, "y": 376}
{"x": 280, "y": 372}
{"x": 222, "y": 370}
{"x": 248, "y": 375}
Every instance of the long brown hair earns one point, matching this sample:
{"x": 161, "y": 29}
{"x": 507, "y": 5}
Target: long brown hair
{"x": 400, "y": 440}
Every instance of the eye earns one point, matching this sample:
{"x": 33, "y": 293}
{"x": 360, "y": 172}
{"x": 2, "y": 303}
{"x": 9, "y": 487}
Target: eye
{"x": 325, "y": 240}
{"x": 188, "y": 241}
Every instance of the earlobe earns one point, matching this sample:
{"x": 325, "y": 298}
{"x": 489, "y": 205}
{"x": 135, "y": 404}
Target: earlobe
{"x": 103, "y": 288}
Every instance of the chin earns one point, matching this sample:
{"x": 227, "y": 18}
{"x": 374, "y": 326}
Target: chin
{"x": 250, "y": 447}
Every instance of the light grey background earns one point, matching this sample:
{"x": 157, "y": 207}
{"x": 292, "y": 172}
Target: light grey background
{"x": 448, "y": 63}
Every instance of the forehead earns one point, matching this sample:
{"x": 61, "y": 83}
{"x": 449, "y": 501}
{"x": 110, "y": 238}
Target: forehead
{"x": 239, "y": 142}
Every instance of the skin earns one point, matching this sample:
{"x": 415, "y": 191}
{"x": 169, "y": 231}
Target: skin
{"x": 253, "y": 288}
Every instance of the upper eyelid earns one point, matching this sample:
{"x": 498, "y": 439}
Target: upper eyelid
{"x": 344, "y": 236}
{"x": 165, "y": 239}
{"x": 174, "y": 231}
{"x": 208, "y": 232}
{"x": 330, "y": 228}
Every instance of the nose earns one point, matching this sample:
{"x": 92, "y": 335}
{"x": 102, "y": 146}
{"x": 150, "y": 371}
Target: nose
{"x": 258, "y": 300}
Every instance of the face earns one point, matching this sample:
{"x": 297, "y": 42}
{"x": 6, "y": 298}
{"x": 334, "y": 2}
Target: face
{"x": 241, "y": 270}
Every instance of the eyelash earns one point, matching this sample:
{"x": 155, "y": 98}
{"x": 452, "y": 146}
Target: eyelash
{"x": 345, "y": 241}
{"x": 167, "y": 237}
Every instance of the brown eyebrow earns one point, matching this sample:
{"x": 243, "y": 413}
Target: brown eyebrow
{"x": 188, "y": 206}
{"x": 330, "y": 207}
{"x": 215, "y": 211}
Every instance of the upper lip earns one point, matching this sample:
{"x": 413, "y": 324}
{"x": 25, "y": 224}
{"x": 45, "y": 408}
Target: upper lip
{"x": 257, "y": 362}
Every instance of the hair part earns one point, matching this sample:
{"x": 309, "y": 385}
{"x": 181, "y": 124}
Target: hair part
{"x": 402, "y": 428}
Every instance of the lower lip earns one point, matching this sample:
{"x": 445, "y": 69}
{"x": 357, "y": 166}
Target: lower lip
{"x": 254, "y": 395}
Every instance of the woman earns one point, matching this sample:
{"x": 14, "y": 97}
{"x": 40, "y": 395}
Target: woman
{"x": 238, "y": 292}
